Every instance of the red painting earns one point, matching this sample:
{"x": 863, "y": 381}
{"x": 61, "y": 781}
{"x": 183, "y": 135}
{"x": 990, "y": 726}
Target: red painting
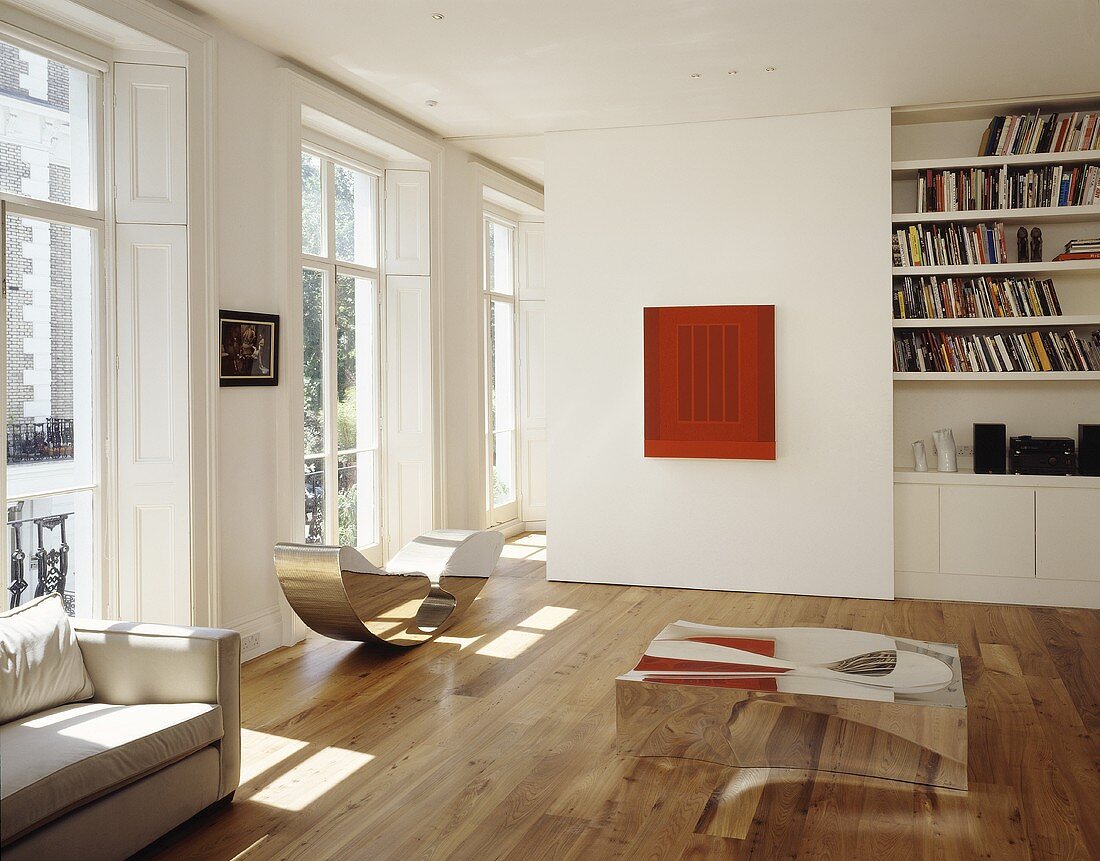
{"x": 710, "y": 382}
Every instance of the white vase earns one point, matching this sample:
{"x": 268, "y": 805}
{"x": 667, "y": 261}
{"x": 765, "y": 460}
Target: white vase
{"x": 920, "y": 456}
{"x": 945, "y": 450}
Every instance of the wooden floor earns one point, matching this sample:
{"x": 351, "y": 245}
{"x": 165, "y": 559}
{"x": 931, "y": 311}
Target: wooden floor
{"x": 499, "y": 742}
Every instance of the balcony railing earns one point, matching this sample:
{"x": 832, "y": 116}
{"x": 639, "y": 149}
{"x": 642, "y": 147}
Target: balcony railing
{"x": 49, "y": 559}
{"x": 31, "y": 442}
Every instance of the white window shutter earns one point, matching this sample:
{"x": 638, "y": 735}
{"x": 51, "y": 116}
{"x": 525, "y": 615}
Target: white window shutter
{"x": 154, "y": 510}
{"x": 150, "y": 144}
{"x": 408, "y": 446}
{"x": 408, "y": 234}
{"x": 532, "y": 256}
{"x": 532, "y": 352}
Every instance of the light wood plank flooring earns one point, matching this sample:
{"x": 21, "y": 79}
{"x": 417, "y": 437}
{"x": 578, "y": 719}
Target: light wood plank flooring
{"x": 499, "y": 742}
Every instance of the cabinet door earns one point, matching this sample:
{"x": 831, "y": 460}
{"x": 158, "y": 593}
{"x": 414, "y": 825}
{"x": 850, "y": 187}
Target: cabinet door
{"x": 987, "y": 530}
{"x": 1067, "y": 533}
{"x": 917, "y": 527}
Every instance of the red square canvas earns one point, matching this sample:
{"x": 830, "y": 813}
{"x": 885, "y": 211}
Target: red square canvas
{"x": 710, "y": 382}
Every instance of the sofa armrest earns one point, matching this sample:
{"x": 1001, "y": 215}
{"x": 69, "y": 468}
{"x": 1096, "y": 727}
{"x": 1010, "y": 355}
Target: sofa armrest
{"x": 133, "y": 663}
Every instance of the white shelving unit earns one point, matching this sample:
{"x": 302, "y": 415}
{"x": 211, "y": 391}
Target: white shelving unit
{"x": 1066, "y": 321}
{"x": 1046, "y": 268}
{"x": 1041, "y": 214}
{"x": 1003, "y": 538}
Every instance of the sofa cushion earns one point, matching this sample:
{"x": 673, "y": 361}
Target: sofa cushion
{"x": 60, "y": 759}
{"x": 40, "y": 662}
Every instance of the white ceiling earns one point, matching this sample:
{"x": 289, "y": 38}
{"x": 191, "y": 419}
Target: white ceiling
{"x": 512, "y": 68}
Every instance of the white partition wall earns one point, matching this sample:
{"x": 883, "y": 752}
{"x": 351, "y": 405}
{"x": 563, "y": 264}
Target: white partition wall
{"x": 785, "y": 211}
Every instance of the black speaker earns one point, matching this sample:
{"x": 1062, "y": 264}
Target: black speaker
{"x": 1088, "y": 449}
{"x": 990, "y": 451}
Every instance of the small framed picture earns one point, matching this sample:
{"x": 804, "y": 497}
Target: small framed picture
{"x": 249, "y": 349}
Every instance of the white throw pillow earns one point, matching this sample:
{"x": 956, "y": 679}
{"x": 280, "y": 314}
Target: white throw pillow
{"x": 40, "y": 661}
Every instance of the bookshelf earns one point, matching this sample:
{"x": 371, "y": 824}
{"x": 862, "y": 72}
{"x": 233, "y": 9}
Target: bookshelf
{"x": 941, "y": 518}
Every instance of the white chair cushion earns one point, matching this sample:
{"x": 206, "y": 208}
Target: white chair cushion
{"x": 58, "y": 760}
{"x": 40, "y": 661}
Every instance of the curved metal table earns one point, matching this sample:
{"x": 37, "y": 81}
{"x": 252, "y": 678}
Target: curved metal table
{"x": 338, "y": 593}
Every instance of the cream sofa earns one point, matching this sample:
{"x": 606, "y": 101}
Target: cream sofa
{"x": 159, "y": 741}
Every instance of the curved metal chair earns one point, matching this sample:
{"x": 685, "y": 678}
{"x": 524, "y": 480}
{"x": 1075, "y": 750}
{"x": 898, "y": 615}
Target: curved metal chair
{"x": 338, "y": 593}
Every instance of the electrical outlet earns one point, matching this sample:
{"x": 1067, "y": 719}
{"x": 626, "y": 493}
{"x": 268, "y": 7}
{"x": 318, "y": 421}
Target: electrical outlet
{"x": 250, "y": 642}
{"x": 966, "y": 451}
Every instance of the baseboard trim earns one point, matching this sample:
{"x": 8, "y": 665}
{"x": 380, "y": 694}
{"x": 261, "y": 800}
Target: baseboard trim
{"x": 535, "y": 525}
{"x": 260, "y": 632}
{"x": 978, "y": 589}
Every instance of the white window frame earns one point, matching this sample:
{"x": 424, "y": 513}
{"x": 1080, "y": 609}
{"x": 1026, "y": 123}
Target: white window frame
{"x": 96, "y": 219}
{"x": 508, "y": 513}
{"x": 331, "y": 267}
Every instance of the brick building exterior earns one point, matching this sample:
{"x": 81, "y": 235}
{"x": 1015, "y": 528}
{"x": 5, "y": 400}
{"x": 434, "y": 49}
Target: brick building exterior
{"x": 35, "y": 162}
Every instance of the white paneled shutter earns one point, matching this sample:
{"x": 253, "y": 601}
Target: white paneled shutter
{"x": 532, "y": 367}
{"x": 153, "y": 429}
{"x": 408, "y": 406}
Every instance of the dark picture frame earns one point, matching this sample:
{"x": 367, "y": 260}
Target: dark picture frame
{"x": 248, "y": 347}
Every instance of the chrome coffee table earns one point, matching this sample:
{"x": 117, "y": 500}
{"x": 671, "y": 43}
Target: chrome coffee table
{"x": 811, "y": 698}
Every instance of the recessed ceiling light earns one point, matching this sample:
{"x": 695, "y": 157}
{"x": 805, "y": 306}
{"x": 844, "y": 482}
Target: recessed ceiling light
{"x": 438, "y": 16}
{"x": 431, "y": 103}
{"x": 769, "y": 68}
{"x": 696, "y": 75}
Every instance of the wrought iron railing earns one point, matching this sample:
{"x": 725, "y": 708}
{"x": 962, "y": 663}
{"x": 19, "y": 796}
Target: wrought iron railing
{"x": 50, "y": 564}
{"x": 30, "y": 442}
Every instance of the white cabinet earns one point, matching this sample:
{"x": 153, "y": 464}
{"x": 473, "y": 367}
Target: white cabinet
{"x": 1067, "y": 530}
{"x": 987, "y": 530}
{"x": 916, "y": 527}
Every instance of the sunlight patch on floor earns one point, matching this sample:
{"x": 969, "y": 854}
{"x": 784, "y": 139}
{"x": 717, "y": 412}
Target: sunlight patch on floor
{"x": 547, "y": 618}
{"x": 260, "y": 751}
{"x": 461, "y": 642}
{"x": 510, "y": 644}
{"x": 310, "y": 779}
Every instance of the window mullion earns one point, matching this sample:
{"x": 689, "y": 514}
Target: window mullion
{"x": 331, "y": 423}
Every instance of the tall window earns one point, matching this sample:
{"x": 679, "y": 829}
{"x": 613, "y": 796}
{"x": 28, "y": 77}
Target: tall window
{"x": 340, "y": 308}
{"x": 500, "y": 352}
{"x": 50, "y": 176}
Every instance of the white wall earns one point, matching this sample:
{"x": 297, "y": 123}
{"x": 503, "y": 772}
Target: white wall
{"x": 250, "y": 269}
{"x": 790, "y": 211}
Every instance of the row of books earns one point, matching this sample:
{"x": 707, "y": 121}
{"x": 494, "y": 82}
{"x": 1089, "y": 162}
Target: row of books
{"x": 1000, "y": 188}
{"x": 950, "y": 245}
{"x": 999, "y": 353}
{"x": 1023, "y": 134}
{"x": 1081, "y": 249}
{"x": 953, "y": 298}
{"x": 1054, "y": 185}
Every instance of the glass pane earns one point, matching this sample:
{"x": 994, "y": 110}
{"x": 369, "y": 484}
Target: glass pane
{"x": 356, "y": 226}
{"x": 356, "y": 363}
{"x": 346, "y": 503}
{"x": 315, "y": 501}
{"x": 313, "y": 315}
{"x": 369, "y": 532}
{"x": 47, "y": 129}
{"x": 49, "y": 543}
{"x": 503, "y": 382}
{"x": 504, "y": 468}
{"x": 50, "y": 372}
{"x": 499, "y": 268}
{"x": 312, "y": 209}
